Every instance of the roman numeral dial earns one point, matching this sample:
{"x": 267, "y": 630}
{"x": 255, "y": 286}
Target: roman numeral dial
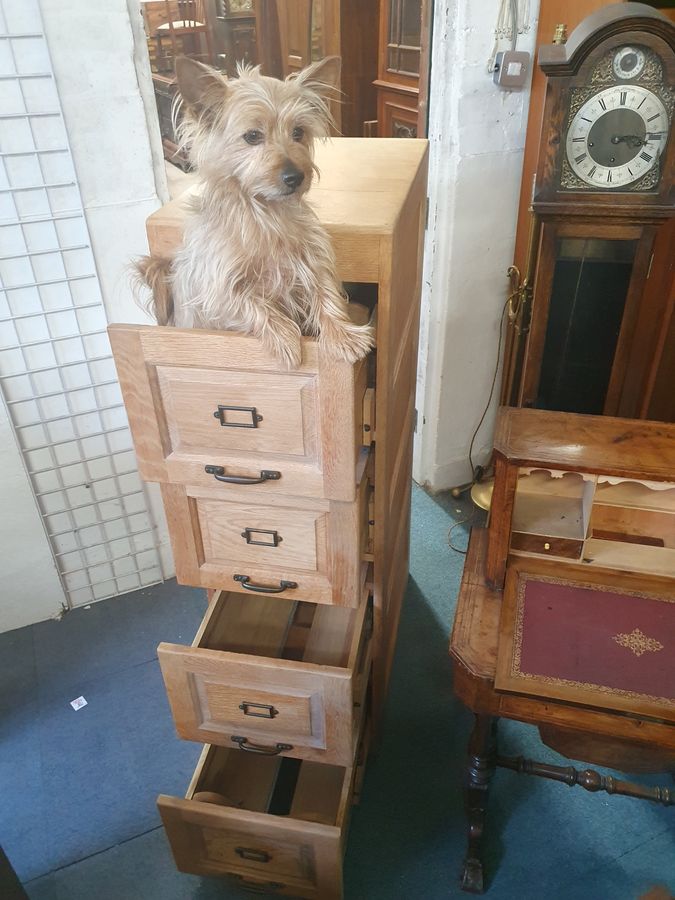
{"x": 617, "y": 136}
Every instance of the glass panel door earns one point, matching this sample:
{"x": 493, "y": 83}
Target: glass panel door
{"x": 405, "y": 31}
{"x": 590, "y": 285}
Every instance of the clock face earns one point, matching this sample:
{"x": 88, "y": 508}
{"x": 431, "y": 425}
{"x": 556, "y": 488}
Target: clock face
{"x": 617, "y": 136}
{"x": 628, "y": 62}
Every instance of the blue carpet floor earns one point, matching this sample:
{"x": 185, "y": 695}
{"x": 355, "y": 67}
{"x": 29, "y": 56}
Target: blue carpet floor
{"x": 77, "y": 811}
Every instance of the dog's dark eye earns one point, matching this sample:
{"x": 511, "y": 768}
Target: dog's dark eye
{"x": 298, "y": 133}
{"x": 254, "y": 137}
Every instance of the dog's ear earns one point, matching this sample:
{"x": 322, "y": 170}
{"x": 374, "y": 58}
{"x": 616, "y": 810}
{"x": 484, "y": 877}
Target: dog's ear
{"x": 199, "y": 85}
{"x": 322, "y": 76}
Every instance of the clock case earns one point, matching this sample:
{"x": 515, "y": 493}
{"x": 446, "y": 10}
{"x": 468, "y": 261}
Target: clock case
{"x": 642, "y": 219}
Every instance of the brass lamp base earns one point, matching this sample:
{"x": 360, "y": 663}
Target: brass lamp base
{"x": 481, "y": 493}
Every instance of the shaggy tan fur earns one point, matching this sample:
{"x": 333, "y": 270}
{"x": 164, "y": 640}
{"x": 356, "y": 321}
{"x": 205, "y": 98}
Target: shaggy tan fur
{"x": 255, "y": 258}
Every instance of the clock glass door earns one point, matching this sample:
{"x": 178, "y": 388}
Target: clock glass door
{"x": 591, "y": 280}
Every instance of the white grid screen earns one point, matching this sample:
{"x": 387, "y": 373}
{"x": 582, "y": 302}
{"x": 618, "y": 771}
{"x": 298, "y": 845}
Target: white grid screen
{"x": 56, "y": 371}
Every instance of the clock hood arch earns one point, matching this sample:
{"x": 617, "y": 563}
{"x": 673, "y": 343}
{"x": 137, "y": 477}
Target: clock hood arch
{"x": 584, "y": 72}
{"x": 607, "y": 22}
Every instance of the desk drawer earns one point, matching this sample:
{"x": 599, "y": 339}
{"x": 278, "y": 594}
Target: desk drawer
{"x": 213, "y": 409}
{"x": 298, "y": 548}
{"x": 272, "y": 825}
{"x": 547, "y": 546}
{"x": 266, "y": 675}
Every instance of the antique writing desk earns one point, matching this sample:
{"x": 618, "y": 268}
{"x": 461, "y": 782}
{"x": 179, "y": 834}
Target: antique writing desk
{"x": 566, "y": 612}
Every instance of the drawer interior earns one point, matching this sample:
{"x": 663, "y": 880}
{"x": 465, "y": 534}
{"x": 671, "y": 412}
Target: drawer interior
{"x": 265, "y": 626}
{"x": 307, "y": 791}
{"x": 551, "y": 504}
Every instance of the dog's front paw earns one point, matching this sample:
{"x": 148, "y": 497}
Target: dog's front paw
{"x": 286, "y": 348}
{"x": 347, "y": 341}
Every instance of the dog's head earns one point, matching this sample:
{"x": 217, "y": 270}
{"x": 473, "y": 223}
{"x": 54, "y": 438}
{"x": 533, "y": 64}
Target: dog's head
{"x": 257, "y": 130}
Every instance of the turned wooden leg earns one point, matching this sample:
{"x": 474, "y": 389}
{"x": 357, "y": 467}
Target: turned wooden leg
{"x": 480, "y": 769}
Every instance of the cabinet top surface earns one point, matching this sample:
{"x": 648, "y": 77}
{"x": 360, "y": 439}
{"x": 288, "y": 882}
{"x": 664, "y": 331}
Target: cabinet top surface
{"x": 363, "y": 185}
{"x": 623, "y": 447}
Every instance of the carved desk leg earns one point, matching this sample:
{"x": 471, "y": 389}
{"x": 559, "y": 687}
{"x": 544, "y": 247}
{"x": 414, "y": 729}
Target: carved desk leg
{"x": 480, "y": 769}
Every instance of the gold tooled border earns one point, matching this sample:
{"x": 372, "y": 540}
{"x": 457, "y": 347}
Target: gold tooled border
{"x": 523, "y": 578}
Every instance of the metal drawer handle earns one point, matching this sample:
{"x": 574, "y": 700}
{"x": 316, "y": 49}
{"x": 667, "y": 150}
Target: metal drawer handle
{"x": 246, "y": 582}
{"x": 245, "y": 744}
{"x": 253, "y": 855}
{"x": 267, "y": 711}
{"x": 218, "y": 473}
{"x": 251, "y": 410}
{"x": 274, "y": 537}
{"x": 259, "y": 887}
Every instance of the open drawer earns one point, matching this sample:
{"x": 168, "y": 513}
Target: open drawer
{"x": 272, "y": 677}
{"x": 273, "y": 825}
{"x": 295, "y": 547}
{"x": 213, "y": 409}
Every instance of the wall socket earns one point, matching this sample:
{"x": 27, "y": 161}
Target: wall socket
{"x": 511, "y": 69}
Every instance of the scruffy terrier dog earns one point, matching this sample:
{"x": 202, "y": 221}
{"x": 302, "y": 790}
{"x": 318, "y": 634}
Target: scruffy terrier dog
{"x": 255, "y": 258}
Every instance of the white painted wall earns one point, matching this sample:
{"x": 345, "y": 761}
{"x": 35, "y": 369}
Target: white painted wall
{"x": 477, "y": 134}
{"x": 102, "y": 72}
{"x": 31, "y": 588}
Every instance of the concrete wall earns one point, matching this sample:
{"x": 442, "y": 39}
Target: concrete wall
{"x": 31, "y": 586}
{"x": 103, "y": 77}
{"x": 477, "y": 134}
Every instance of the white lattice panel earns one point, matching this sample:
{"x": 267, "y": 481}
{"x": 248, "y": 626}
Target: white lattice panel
{"x": 56, "y": 371}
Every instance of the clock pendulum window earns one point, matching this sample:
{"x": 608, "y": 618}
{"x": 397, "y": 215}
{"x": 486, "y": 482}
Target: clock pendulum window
{"x": 593, "y": 333}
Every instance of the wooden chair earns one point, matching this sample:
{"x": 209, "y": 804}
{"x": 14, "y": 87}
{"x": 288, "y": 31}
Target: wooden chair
{"x": 183, "y": 24}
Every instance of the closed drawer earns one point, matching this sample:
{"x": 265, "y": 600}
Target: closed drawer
{"x": 212, "y": 408}
{"x": 273, "y": 825}
{"x": 266, "y": 675}
{"x": 298, "y": 548}
{"x": 547, "y": 546}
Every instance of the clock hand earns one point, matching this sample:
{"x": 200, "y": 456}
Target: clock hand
{"x": 633, "y": 140}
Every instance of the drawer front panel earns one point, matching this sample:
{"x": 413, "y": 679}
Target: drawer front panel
{"x": 216, "y": 412}
{"x": 299, "y": 549}
{"x": 268, "y": 673}
{"x": 211, "y": 408}
{"x": 232, "y": 707}
{"x": 263, "y": 535}
{"x": 293, "y": 858}
{"x": 215, "y": 695}
{"x": 547, "y": 546}
{"x": 256, "y": 858}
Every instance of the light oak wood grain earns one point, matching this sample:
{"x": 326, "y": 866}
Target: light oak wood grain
{"x": 372, "y": 200}
{"x": 173, "y": 381}
{"x": 320, "y": 543}
{"x": 218, "y": 687}
{"x": 301, "y": 856}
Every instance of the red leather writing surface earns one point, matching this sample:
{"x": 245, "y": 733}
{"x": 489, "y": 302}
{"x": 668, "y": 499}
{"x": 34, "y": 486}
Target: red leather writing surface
{"x": 594, "y": 637}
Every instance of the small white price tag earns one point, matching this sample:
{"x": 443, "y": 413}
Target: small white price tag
{"x": 78, "y": 703}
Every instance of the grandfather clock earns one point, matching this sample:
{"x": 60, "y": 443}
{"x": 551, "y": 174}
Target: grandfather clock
{"x": 592, "y": 321}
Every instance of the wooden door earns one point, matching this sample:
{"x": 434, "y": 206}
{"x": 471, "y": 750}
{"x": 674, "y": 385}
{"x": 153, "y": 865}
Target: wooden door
{"x": 295, "y": 34}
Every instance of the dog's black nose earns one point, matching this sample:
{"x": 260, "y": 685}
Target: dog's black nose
{"x": 292, "y": 177}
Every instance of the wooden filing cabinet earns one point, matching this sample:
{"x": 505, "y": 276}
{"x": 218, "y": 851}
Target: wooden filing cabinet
{"x": 287, "y": 495}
